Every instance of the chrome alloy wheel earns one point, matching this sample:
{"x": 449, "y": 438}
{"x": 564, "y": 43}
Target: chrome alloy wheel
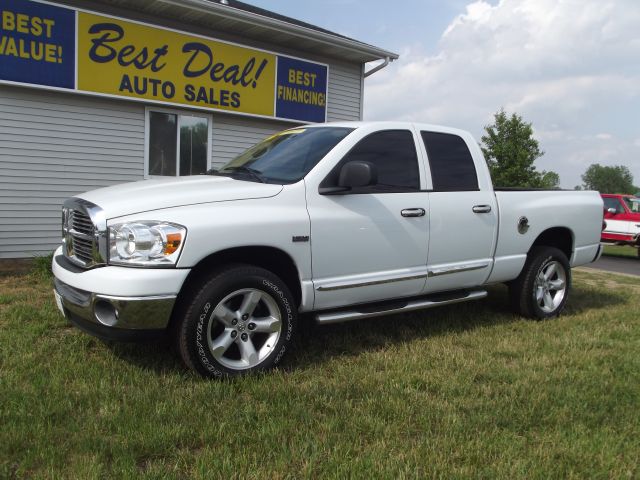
{"x": 244, "y": 328}
{"x": 550, "y": 286}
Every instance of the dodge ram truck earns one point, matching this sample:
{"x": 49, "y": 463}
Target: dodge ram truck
{"x": 338, "y": 221}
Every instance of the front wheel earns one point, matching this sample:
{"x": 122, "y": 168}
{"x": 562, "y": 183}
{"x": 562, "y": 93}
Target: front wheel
{"x": 542, "y": 289}
{"x": 242, "y": 320}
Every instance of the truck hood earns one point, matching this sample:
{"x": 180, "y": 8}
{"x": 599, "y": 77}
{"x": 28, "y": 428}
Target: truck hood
{"x": 149, "y": 195}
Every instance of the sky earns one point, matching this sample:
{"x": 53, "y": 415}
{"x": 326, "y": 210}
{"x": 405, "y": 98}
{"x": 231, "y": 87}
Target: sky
{"x": 569, "y": 67}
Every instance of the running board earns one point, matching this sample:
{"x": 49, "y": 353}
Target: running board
{"x": 398, "y": 306}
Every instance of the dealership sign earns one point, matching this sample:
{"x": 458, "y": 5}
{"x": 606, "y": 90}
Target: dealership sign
{"x": 57, "y": 47}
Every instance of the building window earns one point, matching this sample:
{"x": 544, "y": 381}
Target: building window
{"x": 178, "y": 144}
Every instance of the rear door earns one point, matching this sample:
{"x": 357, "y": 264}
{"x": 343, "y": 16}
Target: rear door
{"x": 371, "y": 243}
{"x": 463, "y": 216}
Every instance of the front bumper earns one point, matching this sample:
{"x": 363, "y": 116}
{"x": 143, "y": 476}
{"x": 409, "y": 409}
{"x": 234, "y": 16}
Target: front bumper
{"x": 117, "y": 303}
{"x": 114, "y": 318}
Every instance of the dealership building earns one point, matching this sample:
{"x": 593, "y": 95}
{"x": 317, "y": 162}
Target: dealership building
{"x": 98, "y": 93}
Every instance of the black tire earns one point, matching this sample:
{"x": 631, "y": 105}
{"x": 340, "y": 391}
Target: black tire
{"x": 525, "y": 292}
{"x": 230, "y": 326}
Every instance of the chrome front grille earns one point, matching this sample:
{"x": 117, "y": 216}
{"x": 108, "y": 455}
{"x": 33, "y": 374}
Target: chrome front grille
{"x": 81, "y": 222}
{"x": 84, "y": 233}
{"x": 83, "y": 248}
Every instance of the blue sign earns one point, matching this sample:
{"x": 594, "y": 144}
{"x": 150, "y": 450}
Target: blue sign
{"x": 301, "y": 90}
{"x": 37, "y": 43}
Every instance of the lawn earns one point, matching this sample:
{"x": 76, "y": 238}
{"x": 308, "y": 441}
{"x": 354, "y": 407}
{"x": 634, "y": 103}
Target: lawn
{"x": 620, "y": 251}
{"x": 463, "y": 391}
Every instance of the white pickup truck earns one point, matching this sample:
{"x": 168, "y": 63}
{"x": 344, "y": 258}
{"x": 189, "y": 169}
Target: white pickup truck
{"x": 341, "y": 221}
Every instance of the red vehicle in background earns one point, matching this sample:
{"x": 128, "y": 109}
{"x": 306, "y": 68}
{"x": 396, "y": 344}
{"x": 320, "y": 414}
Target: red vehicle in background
{"x": 622, "y": 219}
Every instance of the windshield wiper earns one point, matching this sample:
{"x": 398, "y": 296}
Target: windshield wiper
{"x": 251, "y": 171}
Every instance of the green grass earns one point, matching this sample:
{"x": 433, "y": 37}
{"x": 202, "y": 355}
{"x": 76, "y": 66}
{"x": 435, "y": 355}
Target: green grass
{"x": 41, "y": 266}
{"x": 620, "y": 251}
{"x": 464, "y": 391}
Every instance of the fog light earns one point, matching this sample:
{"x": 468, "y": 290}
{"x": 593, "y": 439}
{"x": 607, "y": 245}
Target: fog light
{"x": 106, "y": 313}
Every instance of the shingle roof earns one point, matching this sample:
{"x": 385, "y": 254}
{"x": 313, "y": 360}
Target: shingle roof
{"x": 268, "y": 13}
{"x": 283, "y": 18}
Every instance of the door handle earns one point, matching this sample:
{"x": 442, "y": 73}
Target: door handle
{"x": 481, "y": 208}
{"x": 413, "y": 212}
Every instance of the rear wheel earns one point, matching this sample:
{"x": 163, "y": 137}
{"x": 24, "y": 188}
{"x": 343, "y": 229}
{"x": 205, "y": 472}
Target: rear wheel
{"x": 542, "y": 289}
{"x": 241, "y": 321}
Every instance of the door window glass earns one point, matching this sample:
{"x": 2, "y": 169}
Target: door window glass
{"x": 452, "y": 168}
{"x": 610, "y": 202}
{"x": 393, "y": 152}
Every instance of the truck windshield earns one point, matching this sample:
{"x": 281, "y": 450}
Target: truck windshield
{"x": 285, "y": 157}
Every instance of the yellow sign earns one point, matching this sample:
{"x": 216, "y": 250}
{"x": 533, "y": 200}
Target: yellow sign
{"x": 123, "y": 58}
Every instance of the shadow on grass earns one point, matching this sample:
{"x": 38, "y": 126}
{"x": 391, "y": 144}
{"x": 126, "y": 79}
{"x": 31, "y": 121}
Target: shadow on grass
{"x": 582, "y": 299}
{"x": 634, "y": 256}
{"x": 158, "y": 356}
{"x": 316, "y": 344}
{"x": 319, "y": 343}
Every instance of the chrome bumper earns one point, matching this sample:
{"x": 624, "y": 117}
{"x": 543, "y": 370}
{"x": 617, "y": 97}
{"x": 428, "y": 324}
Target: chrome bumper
{"x": 107, "y": 312}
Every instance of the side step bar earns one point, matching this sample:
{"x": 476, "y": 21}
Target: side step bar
{"x": 398, "y": 306}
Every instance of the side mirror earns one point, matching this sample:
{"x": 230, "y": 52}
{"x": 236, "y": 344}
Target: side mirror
{"x": 357, "y": 174}
{"x": 612, "y": 211}
{"x": 352, "y": 175}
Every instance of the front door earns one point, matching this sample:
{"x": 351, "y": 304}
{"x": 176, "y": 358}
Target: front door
{"x": 371, "y": 243}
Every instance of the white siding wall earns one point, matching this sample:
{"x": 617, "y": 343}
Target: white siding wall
{"x": 345, "y": 92}
{"x": 233, "y": 134}
{"x": 54, "y": 145}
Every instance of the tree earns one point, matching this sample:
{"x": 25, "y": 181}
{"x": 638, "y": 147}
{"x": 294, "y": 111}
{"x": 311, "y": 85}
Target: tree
{"x": 615, "y": 179}
{"x": 549, "y": 180}
{"x": 511, "y": 150}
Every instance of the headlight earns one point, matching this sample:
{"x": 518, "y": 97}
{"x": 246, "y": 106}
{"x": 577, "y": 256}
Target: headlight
{"x": 146, "y": 244}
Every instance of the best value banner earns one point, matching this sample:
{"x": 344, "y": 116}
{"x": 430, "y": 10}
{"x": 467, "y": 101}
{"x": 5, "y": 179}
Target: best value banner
{"x": 37, "y": 44}
{"x": 116, "y": 57}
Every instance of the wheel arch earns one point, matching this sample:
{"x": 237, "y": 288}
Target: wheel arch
{"x": 561, "y": 238}
{"x": 273, "y": 259}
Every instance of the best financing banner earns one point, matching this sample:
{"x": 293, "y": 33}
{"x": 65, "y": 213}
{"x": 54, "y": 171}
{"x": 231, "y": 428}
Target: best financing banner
{"x": 110, "y": 56}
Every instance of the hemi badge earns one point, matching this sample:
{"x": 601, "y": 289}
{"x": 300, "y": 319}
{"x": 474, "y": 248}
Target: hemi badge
{"x": 300, "y": 238}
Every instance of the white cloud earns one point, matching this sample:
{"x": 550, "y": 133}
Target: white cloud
{"x": 568, "y": 66}
{"x": 478, "y": 12}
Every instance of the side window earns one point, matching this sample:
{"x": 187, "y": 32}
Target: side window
{"x": 452, "y": 168}
{"x": 393, "y": 152}
{"x": 610, "y": 202}
{"x": 633, "y": 204}
{"x": 178, "y": 144}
